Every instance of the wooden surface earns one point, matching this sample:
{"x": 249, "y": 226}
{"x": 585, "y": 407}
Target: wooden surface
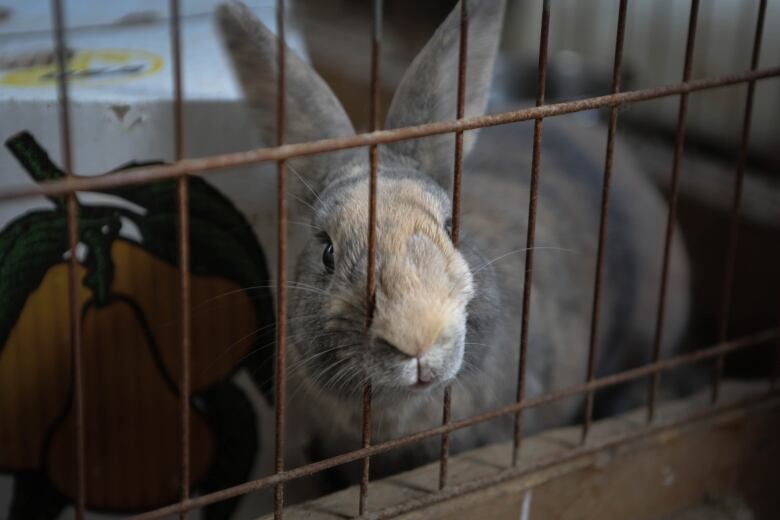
{"x": 724, "y": 456}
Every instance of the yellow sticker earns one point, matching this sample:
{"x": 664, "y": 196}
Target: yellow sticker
{"x": 89, "y": 68}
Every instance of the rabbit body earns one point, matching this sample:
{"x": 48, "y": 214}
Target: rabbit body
{"x": 494, "y": 227}
{"x": 445, "y": 315}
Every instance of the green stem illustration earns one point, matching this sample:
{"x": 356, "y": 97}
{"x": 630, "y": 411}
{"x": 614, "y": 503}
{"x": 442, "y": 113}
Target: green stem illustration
{"x": 35, "y": 161}
{"x": 98, "y": 239}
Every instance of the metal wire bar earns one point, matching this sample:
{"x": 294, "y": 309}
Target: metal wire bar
{"x": 531, "y": 232}
{"x": 185, "y": 303}
{"x": 276, "y": 153}
{"x": 672, "y": 215}
{"x": 376, "y": 28}
{"x": 604, "y": 218}
{"x": 731, "y": 250}
{"x": 281, "y": 248}
{"x": 531, "y": 402}
{"x": 457, "y": 181}
{"x": 74, "y": 309}
{"x": 365, "y": 475}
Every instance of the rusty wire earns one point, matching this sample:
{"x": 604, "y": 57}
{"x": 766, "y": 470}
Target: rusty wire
{"x": 668, "y": 363}
{"x": 457, "y": 182}
{"x": 183, "y": 220}
{"x": 74, "y": 312}
{"x": 531, "y": 232}
{"x": 604, "y": 217}
{"x": 281, "y": 288}
{"x": 274, "y": 153}
{"x": 376, "y": 35}
{"x": 731, "y": 249}
{"x": 679, "y": 143}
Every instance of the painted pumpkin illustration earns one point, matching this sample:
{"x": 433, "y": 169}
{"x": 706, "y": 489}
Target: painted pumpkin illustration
{"x": 130, "y": 344}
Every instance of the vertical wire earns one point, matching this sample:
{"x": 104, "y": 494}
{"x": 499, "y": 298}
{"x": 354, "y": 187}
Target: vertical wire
{"x": 281, "y": 289}
{"x": 376, "y": 35}
{"x": 455, "y": 231}
{"x": 672, "y": 215}
{"x": 541, "y": 82}
{"x": 612, "y": 131}
{"x": 73, "y": 261}
{"x": 184, "y": 257}
{"x": 731, "y": 250}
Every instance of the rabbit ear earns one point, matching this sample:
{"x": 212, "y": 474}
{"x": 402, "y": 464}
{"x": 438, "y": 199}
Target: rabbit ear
{"x": 428, "y": 90}
{"x": 313, "y": 112}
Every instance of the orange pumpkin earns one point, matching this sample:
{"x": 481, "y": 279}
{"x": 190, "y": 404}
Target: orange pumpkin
{"x": 131, "y": 352}
{"x": 130, "y": 361}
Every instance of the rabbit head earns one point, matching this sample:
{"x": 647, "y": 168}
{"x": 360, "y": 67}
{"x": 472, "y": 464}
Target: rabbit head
{"x": 425, "y": 288}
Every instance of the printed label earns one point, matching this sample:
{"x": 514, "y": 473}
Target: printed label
{"x": 88, "y": 68}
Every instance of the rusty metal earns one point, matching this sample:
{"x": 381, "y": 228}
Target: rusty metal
{"x": 617, "y": 70}
{"x": 281, "y": 248}
{"x": 185, "y": 301}
{"x": 376, "y": 35}
{"x": 679, "y": 143}
{"x": 444, "y": 450}
{"x": 531, "y": 232}
{"x": 74, "y": 310}
{"x": 698, "y": 356}
{"x": 365, "y": 475}
{"x": 275, "y": 153}
{"x": 731, "y": 250}
{"x": 457, "y": 182}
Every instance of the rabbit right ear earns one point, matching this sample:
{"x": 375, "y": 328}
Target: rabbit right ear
{"x": 428, "y": 90}
{"x": 313, "y": 112}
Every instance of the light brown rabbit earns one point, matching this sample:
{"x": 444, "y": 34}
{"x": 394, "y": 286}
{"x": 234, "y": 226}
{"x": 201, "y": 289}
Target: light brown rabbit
{"x": 446, "y": 315}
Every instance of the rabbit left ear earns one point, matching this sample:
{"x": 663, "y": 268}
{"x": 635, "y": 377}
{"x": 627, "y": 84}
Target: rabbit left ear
{"x": 313, "y": 112}
{"x": 428, "y": 90}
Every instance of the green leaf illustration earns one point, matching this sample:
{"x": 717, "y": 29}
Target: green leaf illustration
{"x": 29, "y": 247}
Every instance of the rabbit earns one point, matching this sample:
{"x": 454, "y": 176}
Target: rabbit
{"x": 445, "y": 315}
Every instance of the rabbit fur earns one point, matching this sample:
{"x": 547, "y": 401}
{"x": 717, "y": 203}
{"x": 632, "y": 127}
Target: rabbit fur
{"x": 446, "y": 315}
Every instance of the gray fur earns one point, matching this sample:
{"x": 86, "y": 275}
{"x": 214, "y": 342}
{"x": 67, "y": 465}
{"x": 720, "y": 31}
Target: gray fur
{"x": 428, "y": 91}
{"x": 315, "y": 113}
{"x": 331, "y": 352}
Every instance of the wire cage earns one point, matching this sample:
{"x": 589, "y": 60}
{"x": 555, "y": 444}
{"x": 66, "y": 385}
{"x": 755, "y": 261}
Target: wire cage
{"x": 183, "y": 168}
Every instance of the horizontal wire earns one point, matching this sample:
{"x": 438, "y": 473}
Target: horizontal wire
{"x": 288, "y": 151}
{"x": 375, "y": 449}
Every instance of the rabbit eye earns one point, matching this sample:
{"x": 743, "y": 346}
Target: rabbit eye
{"x": 328, "y": 257}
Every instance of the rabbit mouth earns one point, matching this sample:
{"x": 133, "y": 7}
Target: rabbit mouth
{"x": 421, "y": 385}
{"x": 423, "y": 380}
